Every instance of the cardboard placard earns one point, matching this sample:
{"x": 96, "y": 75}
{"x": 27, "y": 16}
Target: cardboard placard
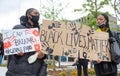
{"x": 73, "y": 40}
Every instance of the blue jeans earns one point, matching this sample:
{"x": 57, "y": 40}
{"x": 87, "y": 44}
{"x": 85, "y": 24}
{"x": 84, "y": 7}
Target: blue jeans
{"x": 0, "y": 59}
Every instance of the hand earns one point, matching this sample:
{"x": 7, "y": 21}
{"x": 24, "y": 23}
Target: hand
{"x": 20, "y": 53}
{"x": 40, "y": 54}
{"x": 99, "y": 60}
{"x": 76, "y": 59}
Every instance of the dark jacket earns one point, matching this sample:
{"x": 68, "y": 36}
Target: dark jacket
{"x": 105, "y": 68}
{"x": 1, "y": 48}
{"x": 19, "y": 66}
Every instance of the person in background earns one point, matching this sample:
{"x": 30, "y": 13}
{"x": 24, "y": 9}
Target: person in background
{"x": 103, "y": 68}
{"x": 82, "y": 63}
{"x": 18, "y": 64}
{"x": 1, "y": 51}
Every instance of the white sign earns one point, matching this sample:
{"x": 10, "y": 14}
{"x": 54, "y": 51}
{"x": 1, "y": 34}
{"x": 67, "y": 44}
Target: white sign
{"x": 25, "y": 40}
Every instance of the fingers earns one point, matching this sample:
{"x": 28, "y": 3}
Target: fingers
{"x": 98, "y": 61}
{"x": 20, "y": 53}
{"x": 40, "y": 54}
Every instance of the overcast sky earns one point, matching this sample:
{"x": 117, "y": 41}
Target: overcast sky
{"x": 11, "y": 10}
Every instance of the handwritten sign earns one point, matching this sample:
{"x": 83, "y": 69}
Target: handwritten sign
{"x": 73, "y": 40}
{"x": 25, "y": 40}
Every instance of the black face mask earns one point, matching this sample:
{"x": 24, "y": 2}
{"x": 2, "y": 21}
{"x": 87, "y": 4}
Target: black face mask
{"x": 35, "y": 19}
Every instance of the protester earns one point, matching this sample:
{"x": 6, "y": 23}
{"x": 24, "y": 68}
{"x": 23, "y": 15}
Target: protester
{"x": 18, "y": 64}
{"x": 1, "y": 51}
{"x": 82, "y": 63}
{"x": 103, "y": 68}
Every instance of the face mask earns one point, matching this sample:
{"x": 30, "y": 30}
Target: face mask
{"x": 35, "y": 19}
{"x": 102, "y": 25}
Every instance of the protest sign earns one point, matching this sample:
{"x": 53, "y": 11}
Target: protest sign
{"x": 25, "y": 40}
{"x": 74, "y": 40}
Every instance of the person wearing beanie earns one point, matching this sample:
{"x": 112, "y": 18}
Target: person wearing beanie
{"x": 103, "y": 68}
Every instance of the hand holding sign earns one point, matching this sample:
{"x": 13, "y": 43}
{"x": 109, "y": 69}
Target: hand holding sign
{"x": 20, "y": 53}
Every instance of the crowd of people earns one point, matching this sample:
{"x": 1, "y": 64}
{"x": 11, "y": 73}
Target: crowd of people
{"x": 18, "y": 63}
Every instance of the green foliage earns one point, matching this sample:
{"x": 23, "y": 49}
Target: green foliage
{"x": 75, "y": 10}
{"x": 0, "y": 36}
{"x": 50, "y": 64}
{"x": 116, "y": 29}
{"x": 93, "y": 6}
{"x": 52, "y": 9}
{"x": 91, "y": 71}
{"x": 91, "y": 21}
{"x": 73, "y": 73}
{"x": 63, "y": 73}
{"x": 118, "y": 74}
{"x": 3, "y": 65}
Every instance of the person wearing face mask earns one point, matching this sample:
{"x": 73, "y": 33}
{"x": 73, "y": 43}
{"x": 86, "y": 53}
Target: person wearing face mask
{"x": 103, "y": 68}
{"x": 18, "y": 64}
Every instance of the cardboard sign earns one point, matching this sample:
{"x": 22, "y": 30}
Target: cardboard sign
{"x": 25, "y": 40}
{"x": 74, "y": 40}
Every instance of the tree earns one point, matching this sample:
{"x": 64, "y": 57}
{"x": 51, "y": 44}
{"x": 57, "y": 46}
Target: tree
{"x": 117, "y": 9}
{"x": 93, "y": 8}
{"x": 52, "y": 9}
{"x": 91, "y": 21}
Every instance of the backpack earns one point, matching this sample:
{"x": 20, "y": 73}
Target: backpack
{"x": 115, "y": 46}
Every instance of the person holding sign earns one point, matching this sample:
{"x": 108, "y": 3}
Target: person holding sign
{"x": 82, "y": 63}
{"x": 19, "y": 64}
{"x": 103, "y": 68}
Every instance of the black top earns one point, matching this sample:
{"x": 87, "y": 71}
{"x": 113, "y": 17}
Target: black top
{"x": 1, "y": 48}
